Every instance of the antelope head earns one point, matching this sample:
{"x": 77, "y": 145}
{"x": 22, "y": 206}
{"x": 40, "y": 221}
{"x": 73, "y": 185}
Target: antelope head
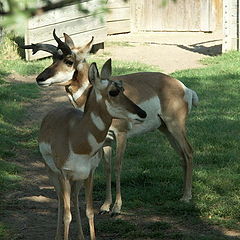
{"x": 66, "y": 59}
{"x": 111, "y": 93}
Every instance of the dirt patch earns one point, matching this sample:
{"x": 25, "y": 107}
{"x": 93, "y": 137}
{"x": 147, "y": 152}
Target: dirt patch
{"x": 169, "y": 51}
{"x": 32, "y": 210}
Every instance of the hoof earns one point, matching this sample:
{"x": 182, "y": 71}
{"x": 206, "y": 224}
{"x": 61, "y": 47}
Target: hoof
{"x": 103, "y": 212}
{"x": 115, "y": 214}
{"x": 186, "y": 200}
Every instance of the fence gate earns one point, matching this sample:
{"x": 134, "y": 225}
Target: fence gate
{"x": 182, "y": 15}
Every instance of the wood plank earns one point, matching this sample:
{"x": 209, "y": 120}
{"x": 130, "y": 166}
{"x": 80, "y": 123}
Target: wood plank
{"x": 118, "y": 14}
{"x": 61, "y": 15}
{"x": 79, "y": 39}
{"x": 149, "y": 11}
{"x": 181, "y": 15}
{"x": 218, "y": 6}
{"x": 118, "y": 27}
{"x": 136, "y": 15}
{"x": 205, "y": 21}
{"x": 70, "y": 27}
{"x": 117, "y": 4}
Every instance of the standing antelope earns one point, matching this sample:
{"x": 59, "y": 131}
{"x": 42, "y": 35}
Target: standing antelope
{"x": 70, "y": 143}
{"x": 166, "y": 100}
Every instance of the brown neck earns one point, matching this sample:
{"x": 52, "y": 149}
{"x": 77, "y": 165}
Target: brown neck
{"x": 94, "y": 126}
{"x": 80, "y": 86}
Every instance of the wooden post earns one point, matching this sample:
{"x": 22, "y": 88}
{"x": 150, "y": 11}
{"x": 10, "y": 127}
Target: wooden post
{"x": 1, "y": 29}
{"x": 231, "y": 27}
{"x": 226, "y": 26}
{"x": 238, "y": 25}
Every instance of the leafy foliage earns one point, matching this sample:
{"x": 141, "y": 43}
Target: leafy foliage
{"x": 16, "y": 13}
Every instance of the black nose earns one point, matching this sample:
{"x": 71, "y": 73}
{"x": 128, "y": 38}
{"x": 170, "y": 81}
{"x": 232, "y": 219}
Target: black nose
{"x": 142, "y": 114}
{"x": 40, "y": 79}
{"x": 67, "y": 88}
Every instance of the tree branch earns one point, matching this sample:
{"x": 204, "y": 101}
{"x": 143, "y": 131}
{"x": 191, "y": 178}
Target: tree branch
{"x": 53, "y": 6}
{"x": 37, "y": 11}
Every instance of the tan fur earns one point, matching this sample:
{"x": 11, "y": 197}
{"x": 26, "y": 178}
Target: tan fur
{"x": 141, "y": 87}
{"x": 70, "y": 142}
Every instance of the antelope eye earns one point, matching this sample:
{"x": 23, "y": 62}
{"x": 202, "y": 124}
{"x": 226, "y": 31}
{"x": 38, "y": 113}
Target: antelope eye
{"x": 69, "y": 62}
{"x": 114, "y": 93}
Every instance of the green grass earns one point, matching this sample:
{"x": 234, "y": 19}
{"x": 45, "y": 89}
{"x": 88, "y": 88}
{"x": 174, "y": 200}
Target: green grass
{"x": 15, "y": 136}
{"x": 13, "y": 98}
{"x": 123, "y": 67}
{"x": 152, "y": 174}
{"x": 4, "y": 231}
{"x": 119, "y": 44}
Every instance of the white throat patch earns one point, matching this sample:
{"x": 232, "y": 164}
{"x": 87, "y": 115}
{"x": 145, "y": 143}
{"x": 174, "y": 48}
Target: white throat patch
{"x": 95, "y": 146}
{"x": 60, "y": 77}
{"x": 97, "y": 121}
{"x": 80, "y": 91}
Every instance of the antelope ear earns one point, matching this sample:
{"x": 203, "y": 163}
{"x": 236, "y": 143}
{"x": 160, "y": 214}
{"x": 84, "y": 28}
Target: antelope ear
{"x": 106, "y": 71}
{"x": 87, "y": 48}
{"x": 69, "y": 41}
{"x": 93, "y": 75}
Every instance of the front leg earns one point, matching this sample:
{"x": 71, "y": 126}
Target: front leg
{"x": 76, "y": 186}
{"x": 121, "y": 141}
{"x": 105, "y": 208}
{"x": 89, "y": 204}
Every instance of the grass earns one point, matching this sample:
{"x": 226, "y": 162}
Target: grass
{"x": 152, "y": 174}
{"x": 119, "y": 44}
{"x": 14, "y": 98}
{"x": 154, "y": 181}
{"x": 123, "y": 67}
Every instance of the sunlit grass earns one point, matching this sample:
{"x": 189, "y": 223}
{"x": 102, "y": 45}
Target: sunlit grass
{"x": 15, "y": 98}
{"x": 152, "y": 174}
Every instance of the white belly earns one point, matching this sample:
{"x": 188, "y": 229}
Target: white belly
{"x": 153, "y": 109}
{"x": 79, "y": 166}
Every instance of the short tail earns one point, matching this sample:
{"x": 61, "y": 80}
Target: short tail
{"x": 192, "y": 98}
{"x": 195, "y": 98}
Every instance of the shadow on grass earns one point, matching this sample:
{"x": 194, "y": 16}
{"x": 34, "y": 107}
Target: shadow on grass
{"x": 201, "y": 48}
{"x": 152, "y": 183}
{"x": 38, "y": 211}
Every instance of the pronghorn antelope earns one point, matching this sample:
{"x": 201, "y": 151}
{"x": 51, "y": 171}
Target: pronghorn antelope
{"x": 166, "y": 100}
{"x": 70, "y": 142}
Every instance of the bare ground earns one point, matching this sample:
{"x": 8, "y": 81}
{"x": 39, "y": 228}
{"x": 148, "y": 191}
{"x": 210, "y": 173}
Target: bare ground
{"x": 32, "y": 210}
{"x": 170, "y": 51}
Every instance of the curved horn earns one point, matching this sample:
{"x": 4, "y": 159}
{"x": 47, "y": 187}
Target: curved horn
{"x": 40, "y": 46}
{"x": 61, "y": 45}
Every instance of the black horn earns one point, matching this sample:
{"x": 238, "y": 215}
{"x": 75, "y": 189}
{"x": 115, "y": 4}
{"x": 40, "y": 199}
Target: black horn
{"x": 61, "y": 45}
{"x": 40, "y": 46}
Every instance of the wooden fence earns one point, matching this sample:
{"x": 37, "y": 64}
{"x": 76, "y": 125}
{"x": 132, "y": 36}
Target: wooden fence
{"x": 182, "y": 15}
{"x": 118, "y": 18}
{"x": 80, "y": 26}
{"x": 231, "y": 28}
{"x": 123, "y": 16}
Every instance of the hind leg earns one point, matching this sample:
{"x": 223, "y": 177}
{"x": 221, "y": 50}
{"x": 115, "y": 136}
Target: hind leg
{"x": 121, "y": 140}
{"x": 105, "y": 208}
{"x": 54, "y": 179}
{"x": 177, "y": 138}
